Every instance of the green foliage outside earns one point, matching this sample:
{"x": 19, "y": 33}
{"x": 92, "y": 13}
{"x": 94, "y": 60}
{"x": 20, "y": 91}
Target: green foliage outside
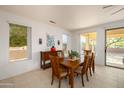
{"x": 18, "y": 35}
{"x": 115, "y": 42}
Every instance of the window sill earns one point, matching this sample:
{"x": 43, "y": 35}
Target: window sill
{"x": 19, "y": 60}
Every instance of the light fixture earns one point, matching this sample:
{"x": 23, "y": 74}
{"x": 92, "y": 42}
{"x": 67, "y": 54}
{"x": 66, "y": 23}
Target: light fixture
{"x": 117, "y": 11}
{"x": 51, "y": 21}
{"x": 107, "y": 6}
{"x": 40, "y": 41}
{"x": 114, "y": 8}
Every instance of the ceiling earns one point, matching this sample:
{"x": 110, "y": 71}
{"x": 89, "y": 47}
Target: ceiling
{"x": 70, "y": 17}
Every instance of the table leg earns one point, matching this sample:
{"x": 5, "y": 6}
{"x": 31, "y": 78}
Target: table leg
{"x": 44, "y": 65}
{"x": 41, "y": 65}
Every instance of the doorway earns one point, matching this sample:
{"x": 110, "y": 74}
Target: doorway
{"x": 114, "y": 47}
{"x": 87, "y": 38}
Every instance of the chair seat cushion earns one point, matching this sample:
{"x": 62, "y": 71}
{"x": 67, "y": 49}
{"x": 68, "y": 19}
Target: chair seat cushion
{"x": 63, "y": 73}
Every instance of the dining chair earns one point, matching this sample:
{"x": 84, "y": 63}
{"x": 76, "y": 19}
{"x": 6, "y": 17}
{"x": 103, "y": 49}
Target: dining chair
{"x": 83, "y": 69}
{"x": 91, "y": 63}
{"x": 56, "y": 70}
{"x": 69, "y": 54}
{"x": 87, "y": 53}
{"x": 60, "y": 54}
{"x": 53, "y": 53}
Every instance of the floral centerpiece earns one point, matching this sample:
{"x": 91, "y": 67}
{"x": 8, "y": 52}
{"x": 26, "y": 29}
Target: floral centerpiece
{"x": 74, "y": 54}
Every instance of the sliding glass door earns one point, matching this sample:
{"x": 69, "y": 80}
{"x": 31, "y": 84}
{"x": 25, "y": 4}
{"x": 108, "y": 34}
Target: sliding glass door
{"x": 115, "y": 47}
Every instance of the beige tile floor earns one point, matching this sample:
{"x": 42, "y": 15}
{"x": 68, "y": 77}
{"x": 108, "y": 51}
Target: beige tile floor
{"x": 104, "y": 77}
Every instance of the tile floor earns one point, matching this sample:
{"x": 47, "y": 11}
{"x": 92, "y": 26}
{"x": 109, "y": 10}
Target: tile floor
{"x": 104, "y": 77}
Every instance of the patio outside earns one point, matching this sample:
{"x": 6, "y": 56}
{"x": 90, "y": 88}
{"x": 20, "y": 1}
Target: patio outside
{"x": 18, "y": 42}
{"x": 115, "y": 47}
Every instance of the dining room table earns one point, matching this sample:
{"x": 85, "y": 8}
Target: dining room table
{"x": 71, "y": 65}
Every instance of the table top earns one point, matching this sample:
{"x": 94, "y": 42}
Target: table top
{"x": 71, "y": 63}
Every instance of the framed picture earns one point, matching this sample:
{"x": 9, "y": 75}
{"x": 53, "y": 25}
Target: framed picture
{"x": 50, "y": 40}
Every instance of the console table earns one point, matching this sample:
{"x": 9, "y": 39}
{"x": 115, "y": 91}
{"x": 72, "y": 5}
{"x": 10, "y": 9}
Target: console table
{"x": 44, "y": 56}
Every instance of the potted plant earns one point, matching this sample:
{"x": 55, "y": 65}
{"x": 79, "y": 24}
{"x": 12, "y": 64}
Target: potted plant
{"x": 74, "y": 54}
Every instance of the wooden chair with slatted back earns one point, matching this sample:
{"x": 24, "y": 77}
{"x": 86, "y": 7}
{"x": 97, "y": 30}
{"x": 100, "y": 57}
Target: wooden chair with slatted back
{"x": 91, "y": 63}
{"x": 53, "y": 53}
{"x": 88, "y": 53}
{"x": 83, "y": 69}
{"x": 60, "y": 54}
{"x": 56, "y": 70}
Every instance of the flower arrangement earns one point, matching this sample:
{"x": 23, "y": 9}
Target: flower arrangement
{"x": 73, "y": 54}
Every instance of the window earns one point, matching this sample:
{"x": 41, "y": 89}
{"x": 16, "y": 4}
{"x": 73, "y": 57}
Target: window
{"x": 65, "y": 44}
{"x": 115, "y": 42}
{"x": 19, "y": 42}
{"x": 88, "y": 38}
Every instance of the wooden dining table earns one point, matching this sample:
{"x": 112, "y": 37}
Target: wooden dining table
{"x": 71, "y": 65}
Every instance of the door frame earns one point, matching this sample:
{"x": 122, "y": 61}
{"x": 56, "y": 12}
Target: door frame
{"x": 105, "y": 45}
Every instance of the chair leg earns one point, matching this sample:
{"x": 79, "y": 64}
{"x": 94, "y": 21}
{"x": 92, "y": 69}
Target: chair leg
{"x": 93, "y": 67}
{"x": 52, "y": 80}
{"x": 82, "y": 80}
{"x": 87, "y": 76}
{"x": 77, "y": 74}
{"x": 90, "y": 72}
{"x": 59, "y": 83}
{"x": 66, "y": 77}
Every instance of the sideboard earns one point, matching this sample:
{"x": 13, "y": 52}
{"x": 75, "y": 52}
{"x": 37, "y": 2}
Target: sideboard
{"x": 44, "y": 58}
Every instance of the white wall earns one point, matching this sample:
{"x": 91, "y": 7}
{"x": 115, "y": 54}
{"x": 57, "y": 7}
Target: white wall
{"x": 100, "y": 47}
{"x": 39, "y": 30}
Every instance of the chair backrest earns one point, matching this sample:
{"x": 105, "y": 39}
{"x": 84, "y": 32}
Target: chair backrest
{"x": 92, "y": 59}
{"x": 87, "y": 52}
{"x": 53, "y": 53}
{"x": 55, "y": 66}
{"x": 60, "y": 53}
{"x": 69, "y": 54}
{"x": 86, "y": 63}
